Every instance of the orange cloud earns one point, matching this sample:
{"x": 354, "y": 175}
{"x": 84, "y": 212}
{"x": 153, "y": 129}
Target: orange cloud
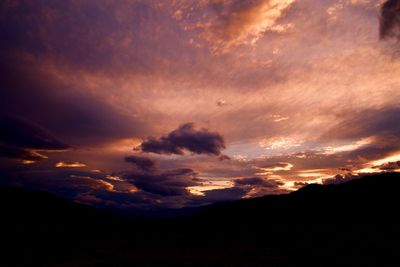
{"x": 239, "y": 22}
{"x": 62, "y": 164}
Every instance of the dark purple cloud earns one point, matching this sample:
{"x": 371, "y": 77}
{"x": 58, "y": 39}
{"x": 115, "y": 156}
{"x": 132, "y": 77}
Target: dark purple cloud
{"x": 257, "y": 181}
{"x": 390, "y": 19}
{"x": 36, "y": 46}
{"x": 70, "y": 113}
{"x": 365, "y": 123}
{"x": 19, "y": 153}
{"x": 389, "y": 166}
{"x": 166, "y": 183}
{"x": 145, "y": 164}
{"x": 64, "y": 182}
{"x": 186, "y": 137}
{"x": 338, "y": 179}
{"x": 218, "y": 195}
{"x": 21, "y": 139}
{"x": 22, "y": 133}
{"x": 258, "y": 186}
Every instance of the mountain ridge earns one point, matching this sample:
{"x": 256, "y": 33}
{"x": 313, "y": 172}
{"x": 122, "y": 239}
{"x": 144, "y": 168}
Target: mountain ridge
{"x": 349, "y": 224}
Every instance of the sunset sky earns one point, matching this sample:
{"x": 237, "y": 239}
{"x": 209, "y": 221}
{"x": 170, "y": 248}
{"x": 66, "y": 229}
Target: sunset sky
{"x": 170, "y": 104}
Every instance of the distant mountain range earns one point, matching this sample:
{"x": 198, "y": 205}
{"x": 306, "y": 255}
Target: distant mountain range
{"x": 350, "y": 224}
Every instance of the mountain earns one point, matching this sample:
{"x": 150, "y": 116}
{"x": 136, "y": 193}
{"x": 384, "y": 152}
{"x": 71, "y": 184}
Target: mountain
{"x": 371, "y": 198}
{"x": 349, "y": 224}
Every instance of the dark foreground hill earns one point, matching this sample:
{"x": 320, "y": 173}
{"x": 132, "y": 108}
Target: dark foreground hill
{"x": 351, "y": 224}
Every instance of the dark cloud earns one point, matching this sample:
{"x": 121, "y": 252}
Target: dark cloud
{"x": 390, "y": 19}
{"x": 257, "y": 181}
{"x": 119, "y": 200}
{"x": 186, "y": 137}
{"x": 64, "y": 182}
{"x": 21, "y": 133}
{"x": 380, "y": 125}
{"x": 219, "y": 195}
{"x": 20, "y": 139}
{"x": 338, "y": 179}
{"x": 40, "y": 68}
{"x": 167, "y": 183}
{"x": 389, "y": 166}
{"x": 19, "y": 153}
{"x": 145, "y": 164}
{"x": 244, "y": 187}
{"x": 67, "y": 111}
{"x": 258, "y": 186}
{"x": 160, "y": 146}
{"x": 224, "y": 157}
{"x": 94, "y": 188}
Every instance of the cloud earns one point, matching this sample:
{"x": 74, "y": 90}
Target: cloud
{"x": 258, "y": 186}
{"x": 227, "y": 24}
{"x": 74, "y": 164}
{"x": 186, "y": 137}
{"x": 65, "y": 182}
{"x": 106, "y": 40}
{"x": 224, "y": 157}
{"x": 257, "y": 181}
{"x": 276, "y": 166}
{"x": 21, "y": 133}
{"x": 133, "y": 65}
{"x": 390, "y": 19}
{"x": 243, "y": 188}
{"x": 378, "y": 125}
{"x": 68, "y": 112}
{"x": 166, "y": 183}
{"x": 338, "y": 179}
{"x": 300, "y": 184}
{"x": 145, "y": 164}
{"x": 21, "y": 139}
{"x": 20, "y": 153}
{"x": 219, "y": 195}
{"x": 389, "y": 166}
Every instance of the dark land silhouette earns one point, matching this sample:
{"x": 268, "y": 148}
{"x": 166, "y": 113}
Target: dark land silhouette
{"x": 350, "y": 224}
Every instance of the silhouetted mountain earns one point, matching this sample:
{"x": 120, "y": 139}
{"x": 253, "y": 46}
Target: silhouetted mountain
{"x": 21, "y": 205}
{"x": 372, "y": 198}
{"x": 349, "y": 224}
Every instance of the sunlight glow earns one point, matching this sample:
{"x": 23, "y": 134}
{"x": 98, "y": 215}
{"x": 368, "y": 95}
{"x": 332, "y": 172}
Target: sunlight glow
{"x": 62, "y": 164}
{"x": 212, "y": 185}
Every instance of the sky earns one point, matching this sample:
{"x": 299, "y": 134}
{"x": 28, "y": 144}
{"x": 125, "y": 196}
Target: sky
{"x": 146, "y": 104}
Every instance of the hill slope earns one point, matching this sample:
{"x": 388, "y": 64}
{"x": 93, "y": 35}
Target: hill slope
{"x": 351, "y": 224}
